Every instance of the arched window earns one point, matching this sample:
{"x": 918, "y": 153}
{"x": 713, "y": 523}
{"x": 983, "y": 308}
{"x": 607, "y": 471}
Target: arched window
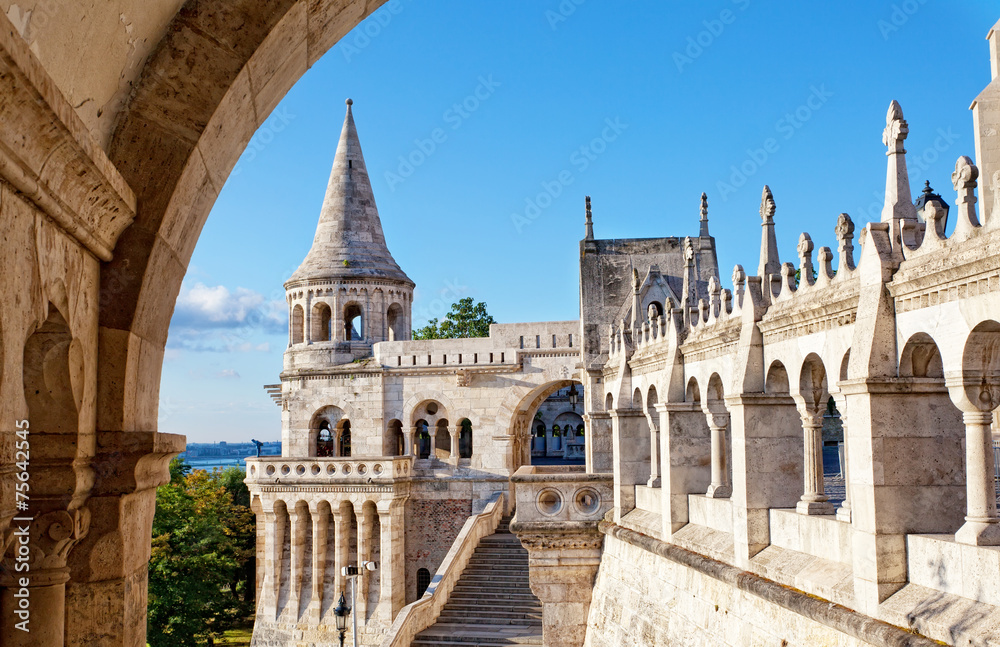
{"x": 324, "y": 440}
{"x": 297, "y": 326}
{"x": 423, "y": 440}
{"x": 345, "y": 438}
{"x": 321, "y": 322}
{"x": 394, "y": 323}
{"x": 396, "y": 445}
{"x": 442, "y": 437}
{"x": 540, "y": 431}
{"x": 556, "y": 432}
{"x": 353, "y": 323}
{"x": 465, "y": 439}
{"x": 423, "y": 581}
{"x": 579, "y": 430}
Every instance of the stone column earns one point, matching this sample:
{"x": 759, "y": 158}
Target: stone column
{"x": 392, "y": 569}
{"x": 597, "y": 442}
{"x": 719, "y": 488}
{"x": 654, "y": 453}
{"x": 275, "y": 521}
{"x": 453, "y": 431}
{"x": 43, "y": 543}
{"x": 341, "y": 546}
{"x": 365, "y": 527}
{"x": 563, "y": 559}
{"x": 320, "y": 528}
{"x": 814, "y": 499}
{"x": 411, "y": 442}
{"x": 432, "y": 434}
{"x": 298, "y": 518}
{"x": 844, "y": 511}
{"x": 982, "y": 524}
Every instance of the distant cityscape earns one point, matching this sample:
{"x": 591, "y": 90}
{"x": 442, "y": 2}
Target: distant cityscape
{"x": 209, "y": 456}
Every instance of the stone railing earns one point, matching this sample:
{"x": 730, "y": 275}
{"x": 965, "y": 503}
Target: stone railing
{"x": 561, "y": 493}
{"x": 418, "y": 615}
{"x": 272, "y": 470}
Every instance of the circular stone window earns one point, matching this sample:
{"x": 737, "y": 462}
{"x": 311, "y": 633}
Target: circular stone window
{"x": 362, "y": 468}
{"x": 377, "y": 469}
{"x": 587, "y": 501}
{"x": 285, "y": 470}
{"x": 300, "y": 469}
{"x": 253, "y": 470}
{"x": 331, "y": 469}
{"x": 346, "y": 469}
{"x": 549, "y": 502}
{"x": 432, "y": 408}
{"x": 316, "y": 470}
{"x": 270, "y": 470}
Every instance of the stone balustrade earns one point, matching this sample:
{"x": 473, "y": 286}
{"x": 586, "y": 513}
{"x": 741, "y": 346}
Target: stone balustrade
{"x": 368, "y": 470}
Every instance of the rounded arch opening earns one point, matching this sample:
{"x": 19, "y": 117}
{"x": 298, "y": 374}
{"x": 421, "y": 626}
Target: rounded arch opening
{"x": 692, "y": 393}
{"x": 465, "y": 439}
{"x": 322, "y": 323}
{"x": 297, "y": 325}
{"x": 812, "y": 383}
{"x": 921, "y": 358}
{"x": 353, "y": 322}
{"x": 396, "y": 327}
{"x": 776, "y": 382}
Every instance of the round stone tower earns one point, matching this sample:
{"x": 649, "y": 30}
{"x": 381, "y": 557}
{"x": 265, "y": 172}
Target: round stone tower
{"x": 348, "y": 293}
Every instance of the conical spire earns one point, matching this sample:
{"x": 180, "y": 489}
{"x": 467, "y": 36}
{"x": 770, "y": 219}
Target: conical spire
{"x": 703, "y": 232}
{"x": 349, "y": 242}
{"x": 769, "y": 263}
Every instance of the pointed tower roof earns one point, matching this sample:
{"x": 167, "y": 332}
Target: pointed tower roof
{"x": 349, "y": 242}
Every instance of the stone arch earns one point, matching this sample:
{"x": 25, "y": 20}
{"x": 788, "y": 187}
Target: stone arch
{"x": 715, "y": 395}
{"x": 354, "y": 322}
{"x": 921, "y": 358}
{"x": 813, "y": 387}
{"x": 776, "y": 381}
{"x": 692, "y": 393}
{"x": 297, "y": 325}
{"x": 323, "y": 426}
{"x": 637, "y": 402}
{"x": 343, "y": 438}
{"x": 412, "y": 408}
{"x": 845, "y": 364}
{"x": 422, "y": 438}
{"x": 981, "y": 365}
{"x": 322, "y": 322}
{"x": 395, "y": 324}
{"x": 609, "y": 402}
{"x": 465, "y": 438}
{"x": 394, "y": 443}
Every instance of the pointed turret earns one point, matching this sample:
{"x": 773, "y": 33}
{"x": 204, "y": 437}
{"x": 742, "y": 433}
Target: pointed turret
{"x": 703, "y": 232}
{"x": 589, "y": 224}
{"x": 769, "y": 263}
{"x": 349, "y": 242}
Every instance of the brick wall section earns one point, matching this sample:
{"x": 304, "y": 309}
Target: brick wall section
{"x": 431, "y": 528}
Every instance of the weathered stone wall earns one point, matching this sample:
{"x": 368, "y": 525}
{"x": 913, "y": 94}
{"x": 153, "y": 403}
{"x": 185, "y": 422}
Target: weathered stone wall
{"x": 643, "y": 599}
{"x": 431, "y": 529}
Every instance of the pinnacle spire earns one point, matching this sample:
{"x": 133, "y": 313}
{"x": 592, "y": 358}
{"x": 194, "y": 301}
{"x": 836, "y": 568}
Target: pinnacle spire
{"x": 769, "y": 263}
{"x": 703, "y": 232}
{"x": 590, "y": 222}
{"x": 349, "y": 241}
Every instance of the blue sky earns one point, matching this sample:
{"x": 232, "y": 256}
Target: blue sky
{"x": 641, "y": 105}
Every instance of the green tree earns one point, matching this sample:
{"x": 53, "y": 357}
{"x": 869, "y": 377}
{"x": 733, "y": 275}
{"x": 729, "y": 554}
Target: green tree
{"x": 465, "y": 320}
{"x": 199, "y": 552}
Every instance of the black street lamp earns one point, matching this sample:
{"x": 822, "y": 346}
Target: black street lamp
{"x": 573, "y": 397}
{"x": 341, "y": 612}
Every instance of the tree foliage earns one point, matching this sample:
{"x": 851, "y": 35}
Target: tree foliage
{"x": 201, "y": 569}
{"x": 465, "y": 320}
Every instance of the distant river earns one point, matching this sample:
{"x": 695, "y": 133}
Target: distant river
{"x": 216, "y": 462}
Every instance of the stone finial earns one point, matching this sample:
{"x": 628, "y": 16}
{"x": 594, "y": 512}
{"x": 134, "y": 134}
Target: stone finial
{"x": 703, "y": 232}
{"x": 845, "y": 242}
{"x": 896, "y": 128}
{"x": 589, "y": 222}
{"x": 805, "y": 249}
{"x": 825, "y": 257}
{"x": 651, "y": 312}
{"x": 714, "y": 296}
{"x": 767, "y": 206}
{"x": 964, "y": 180}
{"x": 787, "y": 280}
{"x": 688, "y": 252}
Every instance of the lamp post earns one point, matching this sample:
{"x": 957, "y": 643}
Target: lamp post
{"x": 573, "y": 397}
{"x": 351, "y": 573}
{"x": 341, "y": 613}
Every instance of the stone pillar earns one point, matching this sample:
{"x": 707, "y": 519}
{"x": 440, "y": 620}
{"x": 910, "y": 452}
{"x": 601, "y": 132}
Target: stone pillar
{"x": 341, "y": 546}
{"x": 563, "y": 559}
{"x": 814, "y": 499}
{"x": 685, "y": 448}
{"x": 844, "y": 511}
{"x": 767, "y": 472}
{"x": 43, "y": 542}
{"x": 365, "y": 527}
{"x": 720, "y": 487}
{"x": 654, "y": 453}
{"x": 392, "y": 569}
{"x": 320, "y": 529}
{"x": 275, "y": 521}
{"x": 453, "y": 431}
{"x": 411, "y": 442}
{"x": 298, "y": 518}
{"x": 597, "y": 442}
{"x": 982, "y": 524}
{"x": 628, "y": 437}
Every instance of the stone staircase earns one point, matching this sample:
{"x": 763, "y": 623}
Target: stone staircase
{"x": 492, "y": 604}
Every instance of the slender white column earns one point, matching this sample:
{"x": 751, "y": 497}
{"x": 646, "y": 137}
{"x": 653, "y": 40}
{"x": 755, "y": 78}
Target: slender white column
{"x": 814, "y": 499}
{"x": 982, "y": 524}
{"x": 720, "y": 487}
{"x": 844, "y": 511}
{"x": 298, "y": 517}
{"x": 320, "y": 526}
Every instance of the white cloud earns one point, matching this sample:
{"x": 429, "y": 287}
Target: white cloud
{"x": 202, "y": 306}
{"x": 228, "y": 372}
